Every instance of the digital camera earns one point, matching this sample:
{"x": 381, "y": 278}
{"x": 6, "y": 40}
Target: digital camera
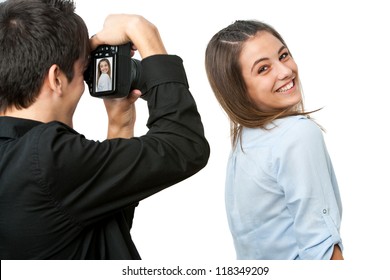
{"x": 112, "y": 73}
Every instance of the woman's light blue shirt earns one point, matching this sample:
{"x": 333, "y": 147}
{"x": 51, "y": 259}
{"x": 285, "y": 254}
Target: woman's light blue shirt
{"x": 104, "y": 83}
{"x": 282, "y": 197}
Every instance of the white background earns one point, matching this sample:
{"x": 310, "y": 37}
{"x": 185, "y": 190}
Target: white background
{"x": 342, "y": 50}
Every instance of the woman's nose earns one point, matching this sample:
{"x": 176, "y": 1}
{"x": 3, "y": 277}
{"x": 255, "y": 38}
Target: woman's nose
{"x": 284, "y": 72}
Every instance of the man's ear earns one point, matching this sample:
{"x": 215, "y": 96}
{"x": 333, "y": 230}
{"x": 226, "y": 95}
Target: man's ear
{"x": 55, "y": 77}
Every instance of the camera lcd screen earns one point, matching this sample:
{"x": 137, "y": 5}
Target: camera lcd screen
{"x": 104, "y": 74}
{"x": 107, "y": 62}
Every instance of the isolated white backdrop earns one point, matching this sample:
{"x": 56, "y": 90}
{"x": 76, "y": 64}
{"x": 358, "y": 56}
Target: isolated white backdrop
{"x": 342, "y": 50}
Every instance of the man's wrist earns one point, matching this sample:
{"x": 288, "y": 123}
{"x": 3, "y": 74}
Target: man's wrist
{"x": 115, "y": 131}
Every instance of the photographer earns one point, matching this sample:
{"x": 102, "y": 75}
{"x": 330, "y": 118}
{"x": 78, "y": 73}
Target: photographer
{"x": 63, "y": 196}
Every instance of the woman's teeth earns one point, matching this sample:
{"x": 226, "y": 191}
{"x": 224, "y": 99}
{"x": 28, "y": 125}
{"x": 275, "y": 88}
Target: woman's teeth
{"x": 286, "y": 87}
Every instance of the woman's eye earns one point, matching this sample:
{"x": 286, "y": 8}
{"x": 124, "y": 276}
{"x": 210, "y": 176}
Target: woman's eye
{"x": 262, "y": 69}
{"x": 284, "y": 55}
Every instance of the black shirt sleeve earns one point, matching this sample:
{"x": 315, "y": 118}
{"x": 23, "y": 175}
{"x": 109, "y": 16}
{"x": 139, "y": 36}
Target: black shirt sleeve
{"x": 89, "y": 180}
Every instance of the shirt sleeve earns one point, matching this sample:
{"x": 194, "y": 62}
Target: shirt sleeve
{"x": 89, "y": 179}
{"x": 304, "y": 170}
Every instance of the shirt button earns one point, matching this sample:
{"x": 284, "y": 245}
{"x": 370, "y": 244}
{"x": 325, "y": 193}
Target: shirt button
{"x": 324, "y": 211}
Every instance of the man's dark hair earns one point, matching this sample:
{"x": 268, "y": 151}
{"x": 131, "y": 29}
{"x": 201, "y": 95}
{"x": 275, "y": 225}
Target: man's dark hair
{"x": 34, "y": 35}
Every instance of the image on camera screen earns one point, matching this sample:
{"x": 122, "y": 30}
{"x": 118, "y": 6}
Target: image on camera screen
{"x": 104, "y": 74}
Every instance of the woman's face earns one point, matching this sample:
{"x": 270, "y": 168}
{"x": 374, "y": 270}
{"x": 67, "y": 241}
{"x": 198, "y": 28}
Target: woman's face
{"x": 104, "y": 67}
{"x": 269, "y": 72}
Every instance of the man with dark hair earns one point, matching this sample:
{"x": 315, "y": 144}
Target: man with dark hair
{"x": 63, "y": 196}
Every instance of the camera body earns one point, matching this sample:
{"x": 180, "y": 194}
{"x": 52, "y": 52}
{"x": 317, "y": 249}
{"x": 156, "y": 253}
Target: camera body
{"x": 112, "y": 73}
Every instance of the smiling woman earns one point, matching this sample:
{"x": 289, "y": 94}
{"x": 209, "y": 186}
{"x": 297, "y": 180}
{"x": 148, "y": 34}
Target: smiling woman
{"x": 282, "y": 196}
{"x": 271, "y": 79}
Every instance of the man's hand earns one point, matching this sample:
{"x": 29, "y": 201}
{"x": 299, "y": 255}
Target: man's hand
{"x": 119, "y": 29}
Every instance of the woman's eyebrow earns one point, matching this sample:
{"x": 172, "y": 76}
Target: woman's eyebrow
{"x": 281, "y": 49}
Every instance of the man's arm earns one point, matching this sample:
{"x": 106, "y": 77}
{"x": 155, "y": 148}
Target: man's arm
{"x": 120, "y": 29}
{"x": 121, "y": 116}
{"x": 109, "y": 175}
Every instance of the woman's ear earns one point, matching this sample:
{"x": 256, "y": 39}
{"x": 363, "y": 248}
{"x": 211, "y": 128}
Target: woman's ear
{"x": 55, "y": 77}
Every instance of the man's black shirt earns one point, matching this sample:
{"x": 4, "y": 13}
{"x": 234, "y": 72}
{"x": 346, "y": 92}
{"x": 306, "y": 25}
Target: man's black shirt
{"x": 65, "y": 197}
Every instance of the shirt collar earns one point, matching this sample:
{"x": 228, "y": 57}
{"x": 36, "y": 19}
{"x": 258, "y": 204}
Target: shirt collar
{"x": 11, "y": 127}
